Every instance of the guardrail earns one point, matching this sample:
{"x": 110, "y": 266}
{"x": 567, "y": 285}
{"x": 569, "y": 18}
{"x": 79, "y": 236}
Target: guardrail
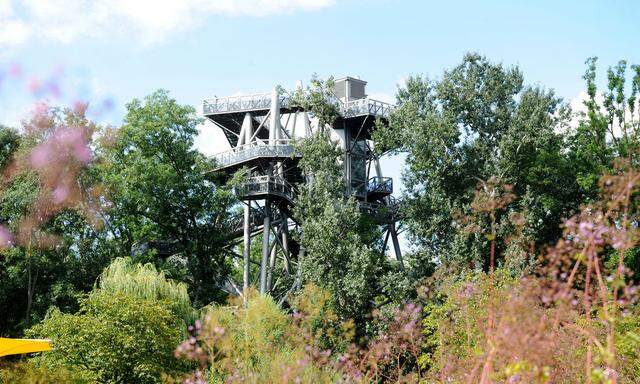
{"x": 256, "y": 218}
{"x": 278, "y": 148}
{"x": 381, "y": 185}
{"x": 262, "y": 102}
{"x": 366, "y": 106}
{"x": 382, "y": 213}
{"x": 245, "y": 103}
{"x": 265, "y": 185}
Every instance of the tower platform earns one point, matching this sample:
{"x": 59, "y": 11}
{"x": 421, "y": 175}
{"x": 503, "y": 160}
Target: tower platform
{"x": 256, "y": 152}
{"x": 262, "y": 130}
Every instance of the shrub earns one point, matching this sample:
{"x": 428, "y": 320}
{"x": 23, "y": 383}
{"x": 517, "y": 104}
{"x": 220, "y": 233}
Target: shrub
{"x": 28, "y": 373}
{"x": 114, "y": 338}
{"x": 144, "y": 281}
{"x": 260, "y": 343}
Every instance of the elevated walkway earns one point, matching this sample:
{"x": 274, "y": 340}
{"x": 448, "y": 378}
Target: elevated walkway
{"x": 279, "y": 150}
{"x": 257, "y": 103}
{"x": 260, "y": 103}
{"x": 366, "y": 107}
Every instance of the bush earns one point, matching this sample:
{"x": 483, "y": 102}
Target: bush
{"x": 144, "y": 281}
{"x": 28, "y": 373}
{"x": 114, "y": 338}
{"x": 260, "y": 343}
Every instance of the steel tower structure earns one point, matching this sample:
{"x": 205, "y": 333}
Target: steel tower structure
{"x": 261, "y": 129}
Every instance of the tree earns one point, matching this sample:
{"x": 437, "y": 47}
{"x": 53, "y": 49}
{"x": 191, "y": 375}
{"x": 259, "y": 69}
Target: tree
{"x": 609, "y": 126}
{"x": 159, "y": 188}
{"x": 339, "y": 253}
{"x": 144, "y": 281}
{"x": 49, "y": 250}
{"x": 114, "y": 338}
{"x": 479, "y": 121}
{"x": 126, "y": 328}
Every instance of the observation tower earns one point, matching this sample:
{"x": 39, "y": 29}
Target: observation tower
{"x": 261, "y": 129}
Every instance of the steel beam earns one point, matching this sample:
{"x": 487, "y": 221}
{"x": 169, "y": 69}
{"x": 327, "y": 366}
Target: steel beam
{"x": 396, "y": 244}
{"x": 246, "y": 252}
{"x": 265, "y": 247}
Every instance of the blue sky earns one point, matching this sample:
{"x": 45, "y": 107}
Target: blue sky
{"x": 115, "y": 50}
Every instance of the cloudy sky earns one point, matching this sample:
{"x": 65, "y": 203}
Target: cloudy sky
{"x": 110, "y": 51}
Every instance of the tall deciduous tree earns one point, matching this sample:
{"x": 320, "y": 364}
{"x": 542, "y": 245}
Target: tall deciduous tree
{"x": 340, "y": 253}
{"x": 479, "y": 121}
{"x": 125, "y": 331}
{"x": 48, "y": 250}
{"x": 161, "y": 189}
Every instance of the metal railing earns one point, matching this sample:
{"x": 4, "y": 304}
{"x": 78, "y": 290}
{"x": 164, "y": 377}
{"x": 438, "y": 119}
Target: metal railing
{"x": 383, "y": 213}
{"x": 382, "y": 185}
{"x": 265, "y": 185}
{"x": 362, "y": 107}
{"x": 262, "y": 101}
{"x": 278, "y": 148}
{"x": 235, "y": 224}
{"x": 244, "y": 103}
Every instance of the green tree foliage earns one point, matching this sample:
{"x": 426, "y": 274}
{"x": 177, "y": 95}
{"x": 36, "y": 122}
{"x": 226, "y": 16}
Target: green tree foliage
{"x": 339, "y": 253}
{"x": 160, "y": 188}
{"x": 9, "y": 143}
{"x": 144, "y": 281}
{"x": 114, "y": 338}
{"x": 126, "y": 328}
{"x": 318, "y": 98}
{"x": 29, "y": 373}
{"x": 49, "y": 250}
{"x": 609, "y": 126}
{"x": 478, "y": 121}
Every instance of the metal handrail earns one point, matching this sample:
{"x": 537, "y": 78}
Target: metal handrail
{"x": 276, "y": 148}
{"x": 262, "y": 101}
{"x": 383, "y": 212}
{"x": 236, "y": 222}
{"x": 265, "y": 184}
{"x": 256, "y": 101}
{"x": 366, "y": 106}
{"x": 380, "y": 184}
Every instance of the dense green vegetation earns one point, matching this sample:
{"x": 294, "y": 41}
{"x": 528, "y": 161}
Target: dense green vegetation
{"x": 522, "y": 217}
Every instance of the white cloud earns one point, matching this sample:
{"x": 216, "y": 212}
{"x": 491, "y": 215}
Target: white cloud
{"x": 13, "y": 31}
{"x": 149, "y": 21}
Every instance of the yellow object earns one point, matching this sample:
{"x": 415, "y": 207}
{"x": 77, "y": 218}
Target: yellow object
{"x": 20, "y": 346}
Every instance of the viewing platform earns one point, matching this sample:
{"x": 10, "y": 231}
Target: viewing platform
{"x": 260, "y": 103}
{"x": 366, "y": 107}
{"x": 257, "y": 102}
{"x": 378, "y": 187}
{"x": 382, "y": 213}
{"x": 281, "y": 149}
{"x": 262, "y": 187}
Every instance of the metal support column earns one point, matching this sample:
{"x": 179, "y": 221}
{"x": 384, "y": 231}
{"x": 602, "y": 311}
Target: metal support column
{"x": 285, "y": 245}
{"x": 247, "y": 247}
{"x": 265, "y": 246}
{"x": 396, "y": 244}
{"x": 272, "y": 263}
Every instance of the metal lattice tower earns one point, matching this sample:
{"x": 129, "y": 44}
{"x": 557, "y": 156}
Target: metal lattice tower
{"x": 261, "y": 129}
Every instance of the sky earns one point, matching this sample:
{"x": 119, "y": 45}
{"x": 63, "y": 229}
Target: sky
{"x": 108, "y": 52}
